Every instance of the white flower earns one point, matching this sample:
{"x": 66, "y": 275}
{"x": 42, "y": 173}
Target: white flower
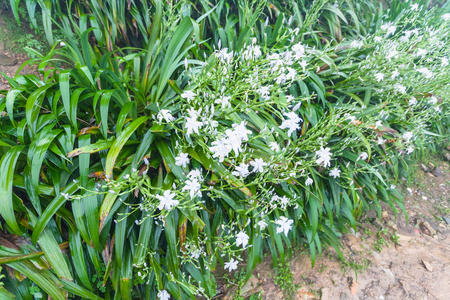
{"x": 378, "y": 39}
{"x": 192, "y": 124}
{"x": 242, "y": 239}
{"x": 66, "y": 196}
{"x": 224, "y": 101}
{"x": 299, "y": 51}
{"x": 386, "y": 26}
{"x": 356, "y": 44}
{"x": 188, "y": 95}
{"x": 166, "y": 200}
{"x": 163, "y": 295}
{"x": 446, "y": 16}
{"x": 258, "y": 165}
{"x": 335, "y": 173}
{"x": 264, "y": 92}
{"x": 400, "y": 88}
{"x": 182, "y": 159}
{"x": 415, "y": 7}
{"x": 425, "y": 72}
{"x": 433, "y": 100}
{"x": 421, "y": 52}
{"x": 444, "y": 61}
{"x": 391, "y": 30}
{"x": 292, "y": 122}
{"x": 379, "y": 76}
{"x": 395, "y": 73}
{"x": 165, "y": 114}
{"x": 303, "y": 64}
{"x": 380, "y": 141}
{"x": 220, "y": 148}
{"x": 284, "y": 225}
{"x": 378, "y": 124}
{"x": 231, "y": 265}
{"x": 410, "y": 150}
{"x": 262, "y": 224}
{"x": 274, "y": 146}
{"x": 241, "y": 170}
{"x": 412, "y": 101}
{"x": 241, "y": 131}
{"x": 363, "y": 156}
{"x": 195, "y": 174}
{"x": 324, "y": 157}
{"x": 408, "y": 136}
{"x": 112, "y": 192}
{"x": 309, "y": 181}
{"x": 193, "y": 186}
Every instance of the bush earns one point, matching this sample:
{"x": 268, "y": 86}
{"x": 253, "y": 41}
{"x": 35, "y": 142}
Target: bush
{"x": 155, "y": 167}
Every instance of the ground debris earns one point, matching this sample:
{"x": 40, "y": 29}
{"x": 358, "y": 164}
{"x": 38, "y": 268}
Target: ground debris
{"x": 427, "y": 265}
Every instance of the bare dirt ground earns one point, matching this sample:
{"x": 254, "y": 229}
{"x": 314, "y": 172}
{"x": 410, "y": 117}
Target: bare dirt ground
{"x": 393, "y": 259}
{"x": 10, "y": 59}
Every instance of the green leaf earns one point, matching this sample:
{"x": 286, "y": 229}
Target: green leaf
{"x": 7, "y": 167}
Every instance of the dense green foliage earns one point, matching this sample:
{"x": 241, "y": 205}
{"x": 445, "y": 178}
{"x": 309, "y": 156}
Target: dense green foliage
{"x": 164, "y": 140}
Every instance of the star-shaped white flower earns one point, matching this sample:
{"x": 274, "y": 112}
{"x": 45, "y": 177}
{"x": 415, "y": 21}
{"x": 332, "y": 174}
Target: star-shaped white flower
{"x": 166, "y": 200}
{"x": 242, "y": 239}
{"x": 284, "y": 225}
{"x": 335, "y": 173}
{"x": 258, "y": 165}
{"x": 163, "y": 295}
{"x": 231, "y": 265}
{"x": 182, "y": 160}
{"x": 188, "y": 95}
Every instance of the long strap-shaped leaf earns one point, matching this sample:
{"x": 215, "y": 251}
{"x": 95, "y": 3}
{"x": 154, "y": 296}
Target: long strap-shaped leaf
{"x": 50, "y": 211}
{"x": 111, "y": 159}
{"x": 172, "y": 58}
{"x": 7, "y": 166}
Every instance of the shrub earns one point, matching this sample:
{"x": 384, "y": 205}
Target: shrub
{"x": 156, "y": 167}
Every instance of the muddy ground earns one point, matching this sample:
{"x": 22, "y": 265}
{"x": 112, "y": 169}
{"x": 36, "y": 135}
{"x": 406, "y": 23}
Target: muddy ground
{"x": 393, "y": 259}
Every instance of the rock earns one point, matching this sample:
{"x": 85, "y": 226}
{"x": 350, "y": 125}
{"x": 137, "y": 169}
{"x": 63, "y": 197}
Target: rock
{"x": 304, "y": 294}
{"x": 426, "y": 228}
{"x": 251, "y": 287}
{"x": 447, "y": 157}
{"x": 7, "y": 61}
{"x": 427, "y": 265}
{"x": 392, "y": 225}
{"x": 437, "y": 172}
{"x": 424, "y": 168}
{"x": 344, "y": 296}
{"x": 403, "y": 240}
{"x": 384, "y": 214}
{"x": 447, "y": 220}
{"x": 325, "y": 294}
{"x": 389, "y": 274}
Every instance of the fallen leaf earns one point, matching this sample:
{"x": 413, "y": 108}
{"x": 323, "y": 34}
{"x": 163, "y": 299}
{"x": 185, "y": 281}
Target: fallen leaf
{"x": 427, "y": 265}
{"x": 304, "y": 294}
{"x": 354, "y": 288}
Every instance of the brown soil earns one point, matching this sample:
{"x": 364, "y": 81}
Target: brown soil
{"x": 415, "y": 266}
{"x": 10, "y": 61}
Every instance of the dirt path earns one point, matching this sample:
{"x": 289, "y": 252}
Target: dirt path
{"x": 10, "y": 60}
{"x": 394, "y": 259}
